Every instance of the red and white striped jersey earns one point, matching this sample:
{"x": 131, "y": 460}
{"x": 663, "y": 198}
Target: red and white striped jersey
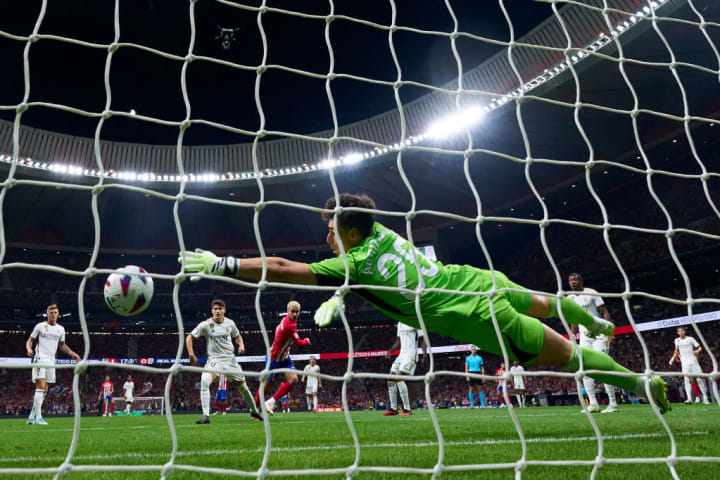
{"x": 222, "y": 382}
{"x": 500, "y": 373}
{"x": 285, "y": 336}
{"x": 107, "y": 389}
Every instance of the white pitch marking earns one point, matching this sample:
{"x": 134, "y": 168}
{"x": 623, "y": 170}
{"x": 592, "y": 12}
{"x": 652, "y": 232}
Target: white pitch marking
{"x": 341, "y": 447}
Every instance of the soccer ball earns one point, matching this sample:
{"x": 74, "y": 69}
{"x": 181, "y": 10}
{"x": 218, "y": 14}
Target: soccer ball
{"x": 127, "y": 294}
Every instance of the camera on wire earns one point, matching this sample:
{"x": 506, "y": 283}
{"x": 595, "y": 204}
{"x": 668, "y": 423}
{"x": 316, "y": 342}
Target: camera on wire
{"x": 226, "y": 37}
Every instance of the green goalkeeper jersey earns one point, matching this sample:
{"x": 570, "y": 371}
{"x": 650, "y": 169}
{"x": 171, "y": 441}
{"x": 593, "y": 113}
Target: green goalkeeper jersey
{"x": 385, "y": 259}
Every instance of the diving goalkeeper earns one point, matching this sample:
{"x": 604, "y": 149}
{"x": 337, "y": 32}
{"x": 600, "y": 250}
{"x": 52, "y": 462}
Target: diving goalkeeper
{"x": 379, "y": 257}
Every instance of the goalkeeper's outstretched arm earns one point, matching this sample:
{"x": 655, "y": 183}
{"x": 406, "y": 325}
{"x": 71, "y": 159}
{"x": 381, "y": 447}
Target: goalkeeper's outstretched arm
{"x": 278, "y": 269}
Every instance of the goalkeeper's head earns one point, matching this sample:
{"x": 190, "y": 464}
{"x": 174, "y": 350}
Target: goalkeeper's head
{"x": 353, "y": 226}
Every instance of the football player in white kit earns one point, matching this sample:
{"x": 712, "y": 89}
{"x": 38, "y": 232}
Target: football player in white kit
{"x": 407, "y": 339}
{"x": 518, "y": 383}
{"x": 49, "y": 335}
{"x": 219, "y": 333}
{"x": 312, "y": 385}
{"x": 687, "y": 350}
{"x": 595, "y": 306}
{"x": 128, "y": 390}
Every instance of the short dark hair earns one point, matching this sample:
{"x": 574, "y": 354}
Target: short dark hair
{"x": 575, "y": 274}
{"x": 363, "y": 221}
{"x": 217, "y": 301}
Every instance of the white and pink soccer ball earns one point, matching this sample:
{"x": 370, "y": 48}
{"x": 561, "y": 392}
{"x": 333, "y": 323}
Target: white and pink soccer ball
{"x": 127, "y": 294}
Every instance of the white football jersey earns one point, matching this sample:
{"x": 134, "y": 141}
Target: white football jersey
{"x": 518, "y": 380}
{"x": 590, "y": 304}
{"x": 48, "y": 337}
{"x": 316, "y": 369}
{"x": 219, "y": 338}
{"x": 128, "y": 387}
{"x": 686, "y": 347}
{"x": 408, "y": 339}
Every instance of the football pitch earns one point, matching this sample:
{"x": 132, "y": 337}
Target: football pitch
{"x": 322, "y": 440}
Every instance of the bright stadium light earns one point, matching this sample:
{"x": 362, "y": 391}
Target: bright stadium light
{"x": 455, "y": 123}
{"x": 353, "y": 158}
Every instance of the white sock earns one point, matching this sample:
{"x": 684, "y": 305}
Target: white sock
{"x": 517, "y": 397}
{"x": 315, "y": 402}
{"x": 522, "y": 397}
{"x": 37, "y": 403}
{"x": 703, "y": 388}
{"x": 610, "y": 390}
{"x": 205, "y": 381}
{"x": 688, "y": 390}
{"x": 590, "y": 390}
{"x": 392, "y": 395}
{"x": 271, "y": 401}
{"x": 245, "y": 392}
{"x": 309, "y": 402}
{"x": 402, "y": 388}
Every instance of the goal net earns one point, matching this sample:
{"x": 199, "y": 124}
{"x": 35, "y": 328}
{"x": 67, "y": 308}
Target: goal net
{"x": 603, "y": 95}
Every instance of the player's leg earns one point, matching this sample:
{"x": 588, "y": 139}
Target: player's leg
{"x": 407, "y": 367}
{"x": 206, "y": 379}
{"x": 40, "y": 386}
{"x": 481, "y": 395}
{"x": 471, "y": 393}
{"x": 291, "y": 380}
{"x": 589, "y": 383}
{"x": 112, "y": 407}
{"x": 700, "y": 382}
{"x": 688, "y": 389}
{"x": 540, "y": 306}
{"x": 315, "y": 401}
{"x": 531, "y": 342}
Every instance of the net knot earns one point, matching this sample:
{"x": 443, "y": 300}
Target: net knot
{"x": 670, "y": 233}
{"x": 348, "y": 377}
{"x": 185, "y": 124}
{"x": 22, "y": 107}
{"x": 262, "y": 284}
{"x": 175, "y": 369}
{"x": 520, "y": 466}
{"x": 10, "y": 183}
{"x": 634, "y": 113}
{"x": 589, "y": 164}
{"x": 113, "y": 47}
{"x": 97, "y": 189}
{"x": 410, "y": 216}
{"x": 80, "y": 367}
{"x": 64, "y": 469}
{"x": 106, "y": 114}
{"x": 34, "y": 38}
{"x": 429, "y": 377}
{"x": 168, "y": 468}
{"x": 544, "y": 223}
{"x": 329, "y": 18}
{"x": 259, "y": 206}
{"x": 600, "y": 461}
{"x": 190, "y": 57}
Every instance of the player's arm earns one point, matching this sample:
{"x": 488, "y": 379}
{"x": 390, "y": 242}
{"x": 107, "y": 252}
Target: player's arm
{"x": 319, "y": 381}
{"x": 674, "y": 357}
{"x": 300, "y": 342}
{"x": 29, "y": 346}
{"x": 467, "y": 371}
{"x": 68, "y": 351}
{"x": 393, "y": 347}
{"x": 302, "y": 379}
{"x": 240, "y": 344}
{"x": 423, "y": 345}
{"x": 278, "y": 269}
{"x": 191, "y": 352}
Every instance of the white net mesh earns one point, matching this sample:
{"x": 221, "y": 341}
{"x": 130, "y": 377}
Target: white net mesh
{"x": 621, "y": 20}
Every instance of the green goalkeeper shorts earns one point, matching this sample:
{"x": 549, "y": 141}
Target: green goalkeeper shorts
{"x": 523, "y": 336}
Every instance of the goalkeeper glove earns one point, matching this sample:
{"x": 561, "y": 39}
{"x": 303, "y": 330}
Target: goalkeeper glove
{"x": 327, "y": 311}
{"x": 206, "y": 262}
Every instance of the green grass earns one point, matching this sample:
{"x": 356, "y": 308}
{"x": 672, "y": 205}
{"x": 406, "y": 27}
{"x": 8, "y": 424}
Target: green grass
{"x": 323, "y": 440}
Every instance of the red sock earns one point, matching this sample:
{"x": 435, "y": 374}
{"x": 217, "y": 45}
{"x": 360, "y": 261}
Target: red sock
{"x": 257, "y": 397}
{"x": 112, "y": 408}
{"x": 696, "y": 390}
{"x": 224, "y": 406}
{"x": 284, "y": 388}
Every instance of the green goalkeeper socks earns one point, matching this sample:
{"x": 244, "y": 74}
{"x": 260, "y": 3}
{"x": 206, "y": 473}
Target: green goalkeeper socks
{"x": 594, "y": 360}
{"x": 574, "y": 313}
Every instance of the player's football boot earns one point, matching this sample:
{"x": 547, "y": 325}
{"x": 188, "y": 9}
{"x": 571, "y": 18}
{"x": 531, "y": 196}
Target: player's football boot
{"x": 405, "y": 413}
{"x": 216, "y": 413}
{"x": 697, "y": 399}
{"x": 706, "y": 402}
{"x": 256, "y": 416}
{"x": 601, "y": 326}
{"x": 204, "y": 419}
{"x": 688, "y": 402}
{"x": 389, "y": 413}
{"x": 270, "y": 408}
{"x": 592, "y": 408}
{"x": 658, "y": 389}
{"x": 610, "y": 409}
{"x": 40, "y": 421}
{"x": 30, "y": 421}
